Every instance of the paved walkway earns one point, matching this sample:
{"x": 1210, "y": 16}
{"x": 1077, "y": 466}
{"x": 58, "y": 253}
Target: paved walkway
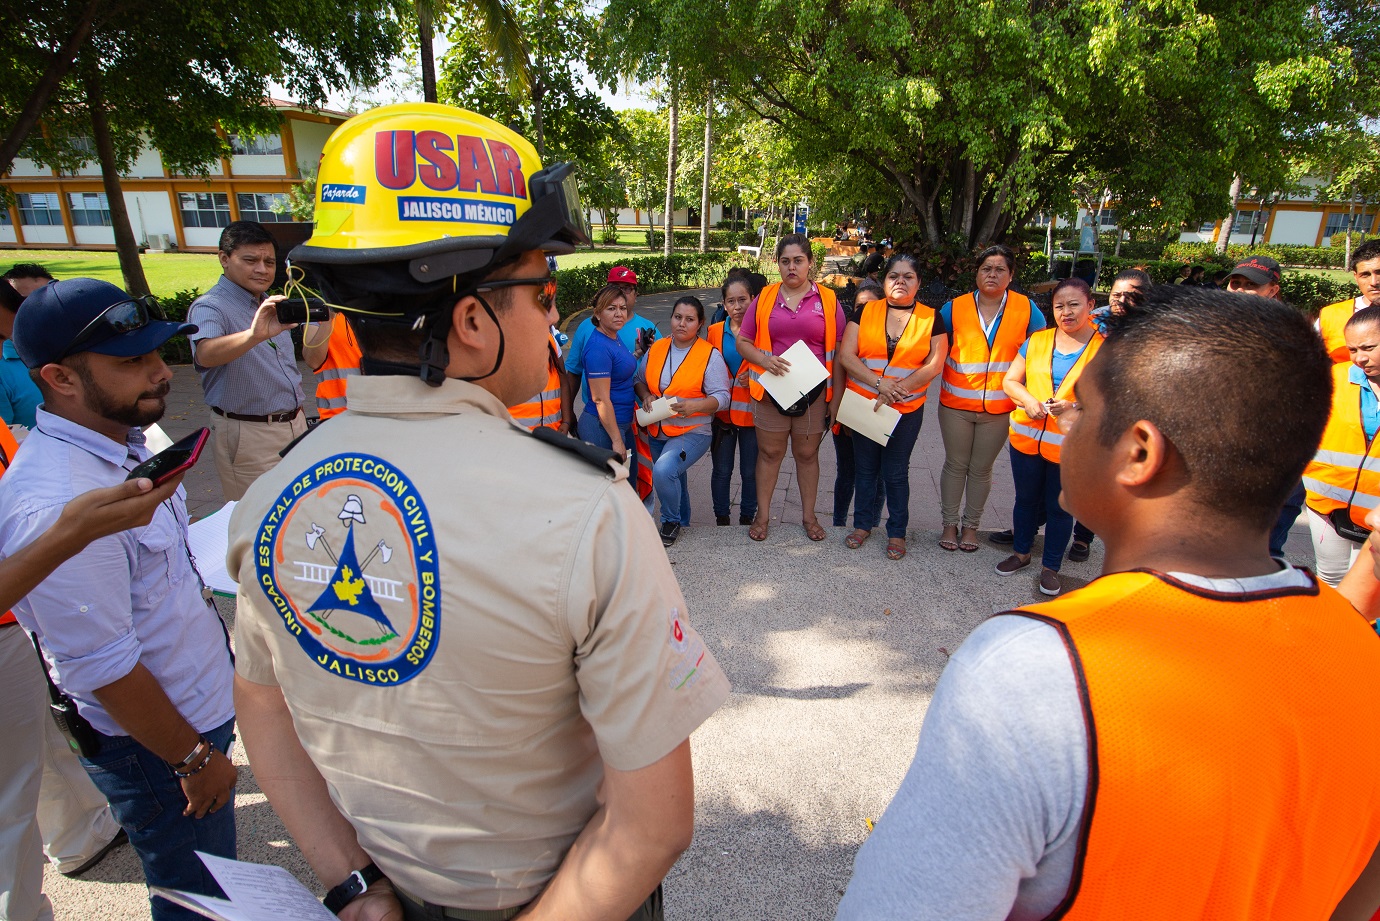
{"x": 833, "y": 655}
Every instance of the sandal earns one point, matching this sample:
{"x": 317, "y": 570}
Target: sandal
{"x": 814, "y": 530}
{"x": 758, "y": 530}
{"x": 949, "y": 543}
{"x": 968, "y": 544}
{"x": 895, "y": 548}
{"x": 853, "y": 541}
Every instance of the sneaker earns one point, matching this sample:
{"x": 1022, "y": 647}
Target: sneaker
{"x": 746, "y": 519}
{"x": 1005, "y": 538}
{"x": 120, "y": 838}
{"x": 1078, "y": 553}
{"x": 721, "y": 520}
{"x": 1049, "y": 582}
{"x": 1012, "y": 565}
{"x": 670, "y": 530}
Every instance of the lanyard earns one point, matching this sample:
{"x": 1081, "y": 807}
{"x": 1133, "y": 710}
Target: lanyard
{"x": 996, "y": 317}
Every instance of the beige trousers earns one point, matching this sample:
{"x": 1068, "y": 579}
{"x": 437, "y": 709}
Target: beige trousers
{"x": 245, "y": 451}
{"x": 972, "y": 442}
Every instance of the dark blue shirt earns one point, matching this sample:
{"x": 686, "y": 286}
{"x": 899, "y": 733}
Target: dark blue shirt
{"x": 609, "y": 359}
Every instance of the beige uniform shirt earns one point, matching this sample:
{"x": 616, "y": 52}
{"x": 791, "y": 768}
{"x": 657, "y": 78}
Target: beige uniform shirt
{"x": 466, "y": 624}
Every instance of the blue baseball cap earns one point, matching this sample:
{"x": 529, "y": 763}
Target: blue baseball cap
{"x": 61, "y": 315}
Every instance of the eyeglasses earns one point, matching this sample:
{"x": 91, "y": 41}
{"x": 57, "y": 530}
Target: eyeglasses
{"x": 116, "y": 320}
{"x": 546, "y": 296}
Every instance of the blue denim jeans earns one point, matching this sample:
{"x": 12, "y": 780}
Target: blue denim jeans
{"x": 845, "y": 477}
{"x": 1287, "y": 516}
{"x": 890, "y": 465}
{"x": 727, "y": 438}
{"x": 671, "y": 458}
{"x": 590, "y": 429}
{"x": 1037, "y": 483}
{"x": 147, "y": 800}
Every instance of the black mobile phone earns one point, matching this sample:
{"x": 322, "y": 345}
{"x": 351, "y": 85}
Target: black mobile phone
{"x": 302, "y": 309}
{"x": 645, "y": 338}
{"x": 173, "y": 459}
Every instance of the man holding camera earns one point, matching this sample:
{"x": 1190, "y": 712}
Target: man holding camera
{"x": 244, "y": 356}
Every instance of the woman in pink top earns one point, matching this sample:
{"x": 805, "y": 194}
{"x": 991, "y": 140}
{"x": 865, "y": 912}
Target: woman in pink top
{"x": 792, "y": 311}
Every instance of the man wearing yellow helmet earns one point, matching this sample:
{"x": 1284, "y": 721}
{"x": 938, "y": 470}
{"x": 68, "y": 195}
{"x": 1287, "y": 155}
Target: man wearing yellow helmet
{"x": 465, "y": 676}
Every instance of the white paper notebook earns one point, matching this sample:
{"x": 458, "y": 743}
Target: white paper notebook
{"x": 856, "y": 412}
{"x": 257, "y": 892}
{"x": 805, "y": 374}
{"x": 208, "y": 539}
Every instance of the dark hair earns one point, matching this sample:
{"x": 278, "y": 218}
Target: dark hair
{"x": 603, "y": 297}
{"x": 10, "y": 299}
{"x": 1139, "y": 276}
{"x": 693, "y": 302}
{"x": 795, "y": 239}
{"x": 243, "y": 233}
{"x": 902, "y": 257}
{"x": 1004, "y": 252}
{"x": 1077, "y": 284}
{"x": 27, "y": 270}
{"x": 1257, "y": 362}
{"x": 736, "y": 276}
{"x": 869, "y": 287}
{"x": 1366, "y": 316}
{"x": 1364, "y": 253}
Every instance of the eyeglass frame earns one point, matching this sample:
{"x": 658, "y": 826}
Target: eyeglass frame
{"x": 548, "y": 281}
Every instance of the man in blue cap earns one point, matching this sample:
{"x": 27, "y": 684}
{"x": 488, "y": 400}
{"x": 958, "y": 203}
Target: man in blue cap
{"x": 125, "y": 626}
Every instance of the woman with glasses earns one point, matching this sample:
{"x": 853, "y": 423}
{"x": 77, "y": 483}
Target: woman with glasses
{"x": 1040, "y": 383}
{"x": 986, "y": 329}
{"x": 609, "y": 368}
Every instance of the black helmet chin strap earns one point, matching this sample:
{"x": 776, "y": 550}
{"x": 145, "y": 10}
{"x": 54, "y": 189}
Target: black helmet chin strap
{"x": 435, "y": 356}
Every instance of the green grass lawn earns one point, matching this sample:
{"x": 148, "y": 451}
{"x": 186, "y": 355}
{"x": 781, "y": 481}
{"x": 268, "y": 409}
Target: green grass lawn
{"x": 1334, "y": 274}
{"x": 167, "y": 273}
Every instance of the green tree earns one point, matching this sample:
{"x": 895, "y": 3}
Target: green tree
{"x": 641, "y": 159}
{"x": 497, "y": 24}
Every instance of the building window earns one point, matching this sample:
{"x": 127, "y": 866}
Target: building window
{"x": 89, "y": 209}
{"x": 1336, "y": 223}
{"x": 204, "y": 209}
{"x": 258, "y": 206}
{"x": 1207, "y": 227}
{"x": 1108, "y": 217}
{"x": 5, "y": 220}
{"x": 1244, "y": 222}
{"x": 268, "y": 145}
{"x": 40, "y": 208}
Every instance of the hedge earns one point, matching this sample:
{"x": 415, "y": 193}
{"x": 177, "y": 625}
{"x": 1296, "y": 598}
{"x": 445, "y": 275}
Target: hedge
{"x": 575, "y": 288}
{"x": 177, "y": 350}
{"x": 1314, "y": 256}
{"x": 1339, "y": 239}
{"x": 1307, "y": 291}
{"x": 718, "y": 239}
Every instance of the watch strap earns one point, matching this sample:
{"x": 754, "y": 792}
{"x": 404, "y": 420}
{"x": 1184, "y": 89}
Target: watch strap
{"x": 352, "y": 888}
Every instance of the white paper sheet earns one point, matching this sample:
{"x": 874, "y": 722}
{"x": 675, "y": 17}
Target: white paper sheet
{"x": 155, "y": 439}
{"x": 661, "y": 409}
{"x": 265, "y": 893}
{"x": 855, "y": 411}
{"x": 204, "y": 905}
{"x": 208, "y": 539}
{"x": 805, "y": 374}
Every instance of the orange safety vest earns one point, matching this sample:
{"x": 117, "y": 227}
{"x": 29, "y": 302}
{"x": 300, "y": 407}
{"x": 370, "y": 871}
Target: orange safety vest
{"x": 8, "y": 447}
{"x": 766, "y": 303}
{"x": 1231, "y": 749}
{"x": 910, "y": 354}
{"x": 1043, "y": 436}
{"x": 1332, "y": 321}
{"x": 687, "y": 382}
{"x": 342, "y": 362}
{"x": 739, "y": 410}
{"x": 545, "y": 407}
{"x": 1344, "y": 473}
{"x": 974, "y": 370}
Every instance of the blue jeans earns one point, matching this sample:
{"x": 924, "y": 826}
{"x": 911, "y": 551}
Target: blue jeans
{"x": 671, "y": 458}
{"x": 890, "y": 464}
{"x": 726, "y": 436}
{"x": 1037, "y": 483}
{"x": 147, "y": 800}
{"x": 590, "y": 429}
{"x": 844, "y": 478}
{"x": 1287, "y": 516}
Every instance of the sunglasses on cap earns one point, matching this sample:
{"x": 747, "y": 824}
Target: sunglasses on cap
{"x": 116, "y": 320}
{"x": 546, "y": 293}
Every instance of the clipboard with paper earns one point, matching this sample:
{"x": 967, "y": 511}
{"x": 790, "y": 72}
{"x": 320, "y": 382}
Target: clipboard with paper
{"x": 806, "y": 372}
{"x": 856, "y": 411}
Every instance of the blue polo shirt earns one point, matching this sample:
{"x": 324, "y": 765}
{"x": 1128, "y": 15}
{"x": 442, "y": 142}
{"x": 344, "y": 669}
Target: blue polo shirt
{"x": 1370, "y": 405}
{"x": 607, "y": 358}
{"x": 1062, "y": 363}
{"x": 19, "y": 395}
{"x": 575, "y": 352}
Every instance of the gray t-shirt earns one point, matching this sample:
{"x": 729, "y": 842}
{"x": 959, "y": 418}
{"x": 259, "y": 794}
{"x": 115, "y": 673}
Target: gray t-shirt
{"x": 263, "y": 380}
{"x": 716, "y": 383}
{"x": 985, "y": 825}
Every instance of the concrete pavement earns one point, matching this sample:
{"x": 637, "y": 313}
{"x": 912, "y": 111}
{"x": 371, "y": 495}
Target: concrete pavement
{"x": 833, "y": 655}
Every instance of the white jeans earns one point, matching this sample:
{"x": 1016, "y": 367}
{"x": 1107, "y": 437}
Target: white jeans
{"x": 1334, "y": 553}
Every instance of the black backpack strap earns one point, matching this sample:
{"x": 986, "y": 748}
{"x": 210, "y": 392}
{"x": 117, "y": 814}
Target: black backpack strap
{"x": 593, "y": 455}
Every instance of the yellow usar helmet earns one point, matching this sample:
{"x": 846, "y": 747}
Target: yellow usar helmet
{"x": 446, "y": 191}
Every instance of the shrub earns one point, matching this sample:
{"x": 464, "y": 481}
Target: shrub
{"x": 1321, "y": 257}
{"x": 177, "y": 350}
{"x": 1339, "y": 239}
{"x": 609, "y": 237}
{"x": 1311, "y": 292}
{"x": 690, "y": 239}
{"x": 576, "y": 288}
{"x": 1163, "y": 271}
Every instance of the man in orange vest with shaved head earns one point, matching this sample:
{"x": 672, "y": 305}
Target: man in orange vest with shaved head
{"x": 1192, "y": 735}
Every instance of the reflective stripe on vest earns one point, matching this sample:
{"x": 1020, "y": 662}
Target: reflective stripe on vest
{"x": 8, "y": 448}
{"x": 1223, "y": 784}
{"x": 972, "y": 375}
{"x": 687, "y": 383}
{"x": 1345, "y": 472}
{"x": 342, "y": 362}
{"x": 1332, "y": 321}
{"x": 739, "y": 410}
{"x": 1043, "y": 436}
{"x": 766, "y": 303}
{"x": 910, "y": 354}
{"x": 545, "y": 407}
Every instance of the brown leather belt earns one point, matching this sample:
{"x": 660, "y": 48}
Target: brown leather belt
{"x": 271, "y": 417}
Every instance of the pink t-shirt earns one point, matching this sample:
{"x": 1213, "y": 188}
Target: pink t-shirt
{"x": 788, "y": 328}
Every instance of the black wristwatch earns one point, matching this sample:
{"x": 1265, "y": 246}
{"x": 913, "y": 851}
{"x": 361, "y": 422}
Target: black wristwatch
{"x": 354, "y": 886}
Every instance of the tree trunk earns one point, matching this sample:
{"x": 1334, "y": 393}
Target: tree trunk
{"x": 1049, "y": 241}
{"x": 57, "y": 68}
{"x": 1350, "y": 222}
{"x": 425, "y": 35}
{"x": 969, "y": 196}
{"x": 704, "y": 189}
{"x": 125, "y": 244}
{"x": 673, "y": 133}
{"x": 1224, "y": 235}
{"x": 539, "y": 85}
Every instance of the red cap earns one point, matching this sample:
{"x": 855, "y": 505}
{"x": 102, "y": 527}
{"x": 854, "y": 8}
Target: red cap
{"x": 622, "y": 275}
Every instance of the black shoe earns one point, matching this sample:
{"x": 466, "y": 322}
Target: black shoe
{"x": 745, "y": 519}
{"x": 721, "y": 520}
{"x": 670, "y": 530}
{"x": 1078, "y": 553}
{"x": 1005, "y": 538}
{"x": 120, "y": 838}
